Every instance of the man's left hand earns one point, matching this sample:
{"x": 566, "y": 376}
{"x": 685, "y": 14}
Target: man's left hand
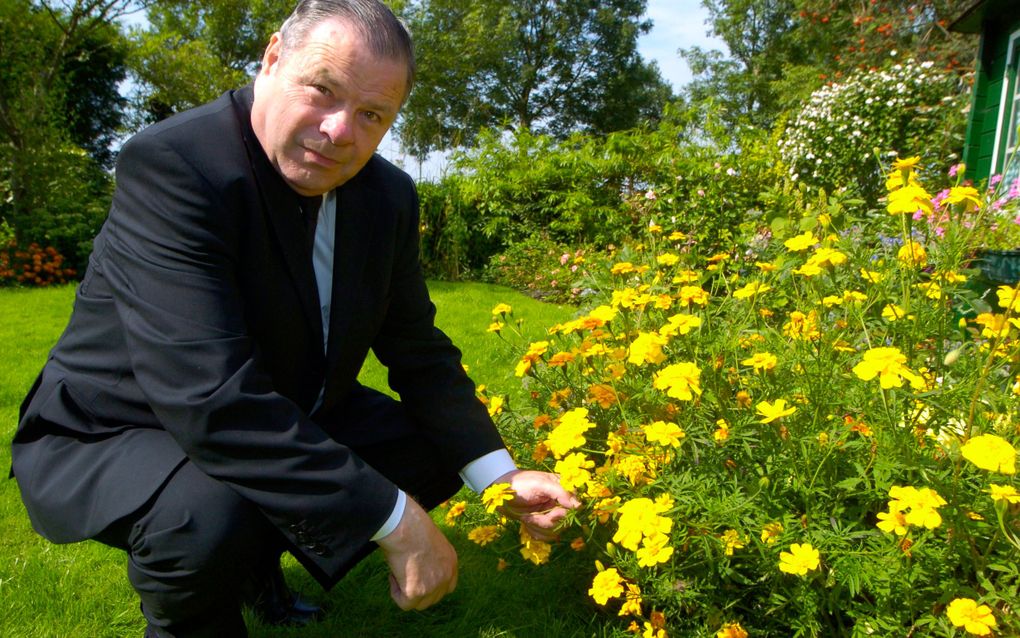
{"x": 539, "y": 502}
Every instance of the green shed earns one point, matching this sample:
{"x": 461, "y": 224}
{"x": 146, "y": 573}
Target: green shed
{"x": 995, "y": 103}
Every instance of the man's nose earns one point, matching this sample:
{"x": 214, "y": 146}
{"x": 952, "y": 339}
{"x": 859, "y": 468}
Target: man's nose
{"x": 338, "y": 126}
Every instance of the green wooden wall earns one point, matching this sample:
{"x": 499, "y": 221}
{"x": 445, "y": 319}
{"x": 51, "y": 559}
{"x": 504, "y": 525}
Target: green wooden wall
{"x": 997, "y": 27}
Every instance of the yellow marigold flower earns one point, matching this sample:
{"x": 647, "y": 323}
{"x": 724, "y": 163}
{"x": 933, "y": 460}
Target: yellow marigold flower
{"x": 801, "y": 242}
{"x": 680, "y": 324}
{"x": 731, "y": 630}
{"x": 931, "y": 289}
{"x": 495, "y": 495}
{"x": 655, "y": 549}
{"x": 602, "y": 395}
{"x": 561, "y": 359}
{"x": 632, "y": 603}
{"x": 647, "y": 348}
{"x": 906, "y": 163}
{"x": 456, "y": 509}
{"x": 622, "y": 268}
{"x": 751, "y": 289}
{"x": 888, "y": 365}
{"x": 950, "y": 277}
{"x": 827, "y": 257}
{"x": 770, "y": 533}
{"x": 966, "y": 195}
{"x": 1009, "y": 298}
{"x": 667, "y": 259}
{"x": 686, "y": 277}
{"x": 990, "y": 452}
{"x": 679, "y": 380}
{"x": 743, "y": 399}
{"x": 732, "y": 541}
{"x": 892, "y": 522}
{"x": 993, "y": 325}
{"x": 603, "y": 313}
{"x": 501, "y": 309}
{"x": 665, "y": 434}
{"x": 718, "y": 257}
{"x": 632, "y": 466}
{"x": 871, "y": 276}
{"x": 651, "y": 631}
{"x": 772, "y": 411}
{"x": 974, "y": 618}
{"x": 573, "y": 471}
{"x": 892, "y": 312}
{"x": 922, "y": 504}
{"x": 802, "y": 326}
{"x": 606, "y": 584}
{"x": 605, "y": 508}
{"x": 676, "y": 235}
{"x": 912, "y": 253}
{"x": 1006, "y": 493}
{"x": 761, "y": 361}
{"x": 722, "y": 432}
{"x": 766, "y": 266}
{"x": 485, "y": 534}
{"x": 495, "y": 326}
{"x": 569, "y": 434}
{"x": 495, "y": 406}
{"x": 534, "y": 353}
{"x": 639, "y": 518}
{"x": 908, "y": 200}
{"x": 801, "y": 559}
{"x": 693, "y": 295}
{"x": 533, "y": 549}
{"x": 809, "y": 269}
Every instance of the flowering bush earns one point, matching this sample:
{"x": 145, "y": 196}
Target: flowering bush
{"x": 33, "y": 266}
{"x": 805, "y": 435}
{"x": 908, "y": 107}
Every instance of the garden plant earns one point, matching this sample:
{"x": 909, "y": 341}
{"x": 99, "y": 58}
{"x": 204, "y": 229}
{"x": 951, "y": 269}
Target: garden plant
{"x": 805, "y": 434}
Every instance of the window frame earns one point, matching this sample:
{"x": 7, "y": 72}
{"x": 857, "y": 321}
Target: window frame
{"x": 1009, "y": 110}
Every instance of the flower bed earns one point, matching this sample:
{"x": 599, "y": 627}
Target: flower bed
{"x": 809, "y": 435}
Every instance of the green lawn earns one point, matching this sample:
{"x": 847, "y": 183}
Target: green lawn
{"x": 81, "y": 590}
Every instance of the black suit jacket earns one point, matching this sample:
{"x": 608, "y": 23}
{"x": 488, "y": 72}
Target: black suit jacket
{"x": 196, "y": 334}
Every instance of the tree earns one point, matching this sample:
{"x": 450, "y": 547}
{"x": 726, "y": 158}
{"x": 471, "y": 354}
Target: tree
{"x": 59, "y": 110}
{"x": 782, "y": 50}
{"x": 547, "y": 66}
{"x": 193, "y": 51}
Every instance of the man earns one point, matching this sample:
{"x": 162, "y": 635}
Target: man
{"x": 201, "y": 410}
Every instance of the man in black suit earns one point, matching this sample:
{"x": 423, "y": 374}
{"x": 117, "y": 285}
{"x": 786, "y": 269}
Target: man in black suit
{"x": 201, "y": 410}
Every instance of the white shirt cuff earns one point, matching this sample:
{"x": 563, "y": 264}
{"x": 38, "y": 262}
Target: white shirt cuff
{"x": 483, "y": 471}
{"x": 394, "y": 519}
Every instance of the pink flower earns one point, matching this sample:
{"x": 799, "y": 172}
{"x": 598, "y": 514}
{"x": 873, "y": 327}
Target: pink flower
{"x": 564, "y": 258}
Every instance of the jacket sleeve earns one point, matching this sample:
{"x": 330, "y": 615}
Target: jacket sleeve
{"x": 170, "y": 255}
{"x": 424, "y": 366}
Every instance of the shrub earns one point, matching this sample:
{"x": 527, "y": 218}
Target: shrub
{"x": 33, "y": 266}
{"x": 908, "y": 108}
{"x": 808, "y": 434}
{"x": 541, "y": 268}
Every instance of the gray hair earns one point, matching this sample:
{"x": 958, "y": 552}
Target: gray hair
{"x": 384, "y": 33}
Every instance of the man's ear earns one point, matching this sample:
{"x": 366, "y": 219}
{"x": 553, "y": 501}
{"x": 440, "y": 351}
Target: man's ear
{"x": 271, "y": 57}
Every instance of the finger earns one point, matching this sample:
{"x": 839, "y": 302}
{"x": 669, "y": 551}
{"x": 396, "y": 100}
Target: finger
{"x": 398, "y": 596}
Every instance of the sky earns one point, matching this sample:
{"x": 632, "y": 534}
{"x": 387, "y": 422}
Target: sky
{"x": 676, "y": 24}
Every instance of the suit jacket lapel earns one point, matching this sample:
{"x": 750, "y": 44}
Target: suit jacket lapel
{"x": 282, "y": 207}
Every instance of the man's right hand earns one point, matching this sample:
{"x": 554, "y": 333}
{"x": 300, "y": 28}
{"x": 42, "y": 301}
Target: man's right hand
{"x": 423, "y": 564}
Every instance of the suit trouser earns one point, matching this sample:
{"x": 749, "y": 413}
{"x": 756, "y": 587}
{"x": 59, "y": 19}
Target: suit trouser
{"x": 195, "y": 542}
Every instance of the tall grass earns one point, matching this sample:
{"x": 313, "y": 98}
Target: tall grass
{"x": 81, "y": 590}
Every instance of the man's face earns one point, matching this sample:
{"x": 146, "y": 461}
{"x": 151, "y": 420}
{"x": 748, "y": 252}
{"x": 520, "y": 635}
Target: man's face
{"x": 321, "y": 110}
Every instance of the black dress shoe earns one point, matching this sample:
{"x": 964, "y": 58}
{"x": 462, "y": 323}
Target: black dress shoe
{"x": 275, "y": 604}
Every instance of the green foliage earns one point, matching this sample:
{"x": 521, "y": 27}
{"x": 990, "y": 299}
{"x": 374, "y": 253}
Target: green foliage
{"x": 549, "y": 66}
{"x": 59, "y": 110}
{"x": 542, "y": 269}
{"x": 909, "y": 108}
{"x": 799, "y": 434}
{"x": 193, "y": 51}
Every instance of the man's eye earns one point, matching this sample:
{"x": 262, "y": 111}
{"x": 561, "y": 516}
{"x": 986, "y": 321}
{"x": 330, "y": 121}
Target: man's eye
{"x": 373, "y": 116}
{"x": 321, "y": 89}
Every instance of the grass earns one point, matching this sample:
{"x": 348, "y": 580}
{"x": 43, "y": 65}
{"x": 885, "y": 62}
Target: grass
{"x": 81, "y": 590}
